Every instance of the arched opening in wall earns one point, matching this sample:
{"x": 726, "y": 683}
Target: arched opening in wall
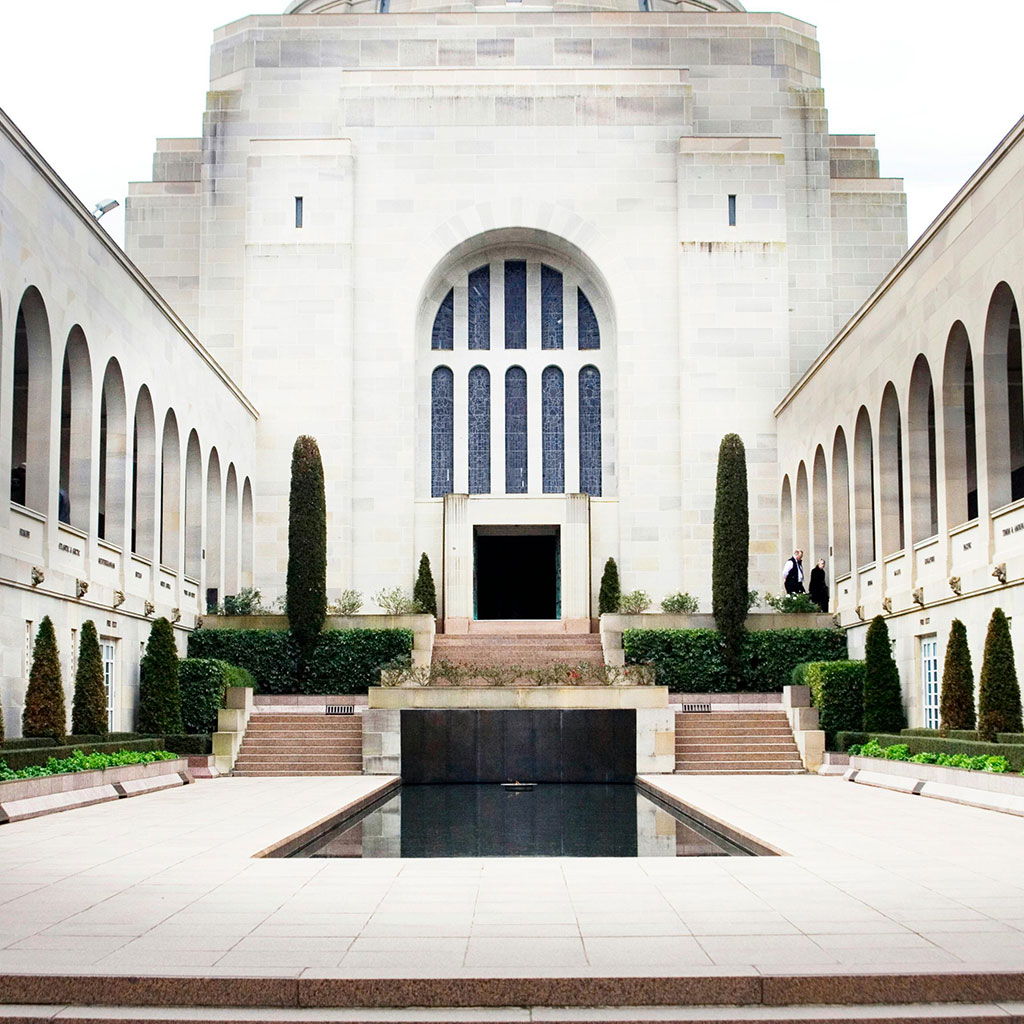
{"x": 786, "y": 517}
{"x": 959, "y": 429}
{"x": 170, "y": 492}
{"x": 75, "y": 433}
{"x": 144, "y": 476}
{"x": 30, "y": 434}
{"x": 801, "y": 510}
{"x": 442, "y": 431}
{"x": 819, "y": 499}
{"x": 214, "y": 529}
{"x": 193, "y": 508}
{"x": 1004, "y": 403}
{"x": 479, "y": 430}
{"x": 113, "y": 456}
{"x": 516, "y": 418}
{"x": 924, "y": 484}
{"x": 841, "y": 504}
{"x": 247, "y": 536}
{"x": 590, "y": 430}
{"x": 890, "y": 472}
{"x": 864, "y": 488}
{"x": 231, "y": 534}
{"x": 552, "y": 393}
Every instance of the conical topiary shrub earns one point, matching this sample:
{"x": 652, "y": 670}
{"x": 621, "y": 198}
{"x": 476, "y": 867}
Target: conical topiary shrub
{"x": 159, "y": 693}
{"x": 956, "y": 706}
{"x": 883, "y": 699}
{"x": 998, "y": 690}
{"x": 306, "y": 597}
{"x": 730, "y": 554}
{"x": 423, "y": 594}
{"x": 44, "y": 713}
{"x": 89, "y": 708}
{"x": 611, "y": 590}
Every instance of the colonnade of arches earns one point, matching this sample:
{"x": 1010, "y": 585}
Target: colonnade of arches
{"x": 134, "y": 479}
{"x": 938, "y": 449}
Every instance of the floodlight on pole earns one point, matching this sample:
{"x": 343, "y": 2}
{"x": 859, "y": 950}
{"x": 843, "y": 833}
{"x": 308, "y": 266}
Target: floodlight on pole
{"x": 104, "y": 206}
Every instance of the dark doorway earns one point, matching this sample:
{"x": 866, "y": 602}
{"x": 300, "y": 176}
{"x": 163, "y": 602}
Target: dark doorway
{"x": 517, "y": 572}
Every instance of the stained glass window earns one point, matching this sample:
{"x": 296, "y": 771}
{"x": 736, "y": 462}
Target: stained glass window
{"x": 515, "y": 304}
{"x": 479, "y": 431}
{"x": 480, "y": 308}
{"x": 553, "y": 426}
{"x": 515, "y": 431}
{"x": 442, "y": 415}
{"x": 443, "y": 334}
{"x": 550, "y": 307}
{"x": 589, "y": 332}
{"x": 590, "y": 431}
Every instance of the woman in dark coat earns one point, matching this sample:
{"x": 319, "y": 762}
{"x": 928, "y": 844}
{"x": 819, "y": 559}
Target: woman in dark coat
{"x": 818, "y": 588}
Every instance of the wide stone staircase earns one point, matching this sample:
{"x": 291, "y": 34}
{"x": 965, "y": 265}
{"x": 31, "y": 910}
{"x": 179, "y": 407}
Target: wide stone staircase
{"x": 738, "y": 742}
{"x": 528, "y": 650}
{"x": 301, "y": 743}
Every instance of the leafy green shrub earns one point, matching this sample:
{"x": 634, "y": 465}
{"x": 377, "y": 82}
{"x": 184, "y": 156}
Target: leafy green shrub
{"x": 897, "y": 752}
{"x": 611, "y": 591}
{"x": 27, "y": 757}
{"x": 837, "y": 690}
{"x": 883, "y": 699}
{"x": 44, "y": 713}
{"x": 89, "y": 708}
{"x": 203, "y": 682}
{"x": 1014, "y": 753}
{"x": 348, "y": 604}
{"x": 995, "y": 763}
{"x": 636, "y": 602}
{"x": 798, "y": 677}
{"x": 306, "y": 601}
{"x": 680, "y": 604}
{"x": 1, "y": 723}
{"x": 423, "y": 593}
{"x": 998, "y": 693}
{"x": 956, "y": 708}
{"x": 731, "y": 553}
{"x": 159, "y": 694}
{"x": 769, "y": 655}
{"x": 791, "y": 604}
{"x": 79, "y": 761}
{"x": 396, "y": 601}
{"x": 247, "y": 601}
{"x": 184, "y": 746}
{"x": 343, "y": 661}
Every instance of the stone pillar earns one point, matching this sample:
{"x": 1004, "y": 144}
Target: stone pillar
{"x": 458, "y": 564}
{"x": 576, "y": 564}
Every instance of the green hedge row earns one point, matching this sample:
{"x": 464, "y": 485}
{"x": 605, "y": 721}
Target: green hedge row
{"x": 691, "y": 660}
{"x": 837, "y": 690}
{"x": 202, "y": 682}
{"x": 933, "y": 743}
{"x": 183, "y": 746}
{"x": 966, "y": 734}
{"x": 344, "y": 660}
{"x": 25, "y": 757}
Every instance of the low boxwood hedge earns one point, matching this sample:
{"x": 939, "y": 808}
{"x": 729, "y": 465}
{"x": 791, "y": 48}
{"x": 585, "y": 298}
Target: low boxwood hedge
{"x": 202, "y": 682}
{"x": 691, "y": 661}
{"x": 933, "y": 743}
{"x": 25, "y": 757}
{"x": 197, "y": 744}
{"x": 837, "y": 690}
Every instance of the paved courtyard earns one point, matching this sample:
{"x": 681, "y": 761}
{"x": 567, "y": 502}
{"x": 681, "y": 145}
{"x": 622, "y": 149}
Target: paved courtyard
{"x": 168, "y": 884}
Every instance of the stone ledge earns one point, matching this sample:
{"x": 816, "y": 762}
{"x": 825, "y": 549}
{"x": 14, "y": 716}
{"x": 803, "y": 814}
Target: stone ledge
{"x": 502, "y": 697}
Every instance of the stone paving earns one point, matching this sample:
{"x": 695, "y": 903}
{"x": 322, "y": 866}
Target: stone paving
{"x": 167, "y": 883}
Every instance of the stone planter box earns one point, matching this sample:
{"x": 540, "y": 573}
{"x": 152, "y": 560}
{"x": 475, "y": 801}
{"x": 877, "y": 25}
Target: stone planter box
{"x": 535, "y": 697}
{"x": 31, "y": 798}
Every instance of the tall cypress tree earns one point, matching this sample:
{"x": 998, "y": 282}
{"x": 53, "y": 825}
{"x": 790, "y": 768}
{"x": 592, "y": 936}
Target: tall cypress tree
{"x": 89, "y": 709}
{"x": 306, "y": 600}
{"x": 44, "y": 713}
{"x": 998, "y": 690}
{"x": 611, "y": 590}
{"x": 731, "y": 552}
{"x": 423, "y": 593}
{"x": 956, "y": 706}
{"x": 159, "y": 691}
{"x": 883, "y": 698}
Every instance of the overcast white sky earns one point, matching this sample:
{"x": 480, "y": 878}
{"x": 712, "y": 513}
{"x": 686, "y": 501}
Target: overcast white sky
{"x": 94, "y": 82}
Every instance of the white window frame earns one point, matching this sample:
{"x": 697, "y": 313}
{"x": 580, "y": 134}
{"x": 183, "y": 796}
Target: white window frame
{"x": 108, "y": 651}
{"x": 931, "y": 681}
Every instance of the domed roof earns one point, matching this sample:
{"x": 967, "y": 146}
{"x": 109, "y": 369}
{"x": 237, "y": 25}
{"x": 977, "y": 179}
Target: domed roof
{"x": 437, "y": 6}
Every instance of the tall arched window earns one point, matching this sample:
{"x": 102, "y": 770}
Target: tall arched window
{"x": 552, "y": 391}
{"x": 786, "y": 516}
{"x": 247, "y": 534}
{"x": 515, "y": 303}
{"x": 1004, "y": 407}
{"x": 802, "y": 510}
{"x": 551, "y": 315}
{"x": 589, "y": 331}
{"x": 516, "y": 462}
{"x": 480, "y": 308}
{"x": 170, "y": 492}
{"x": 590, "y": 430}
{"x": 890, "y": 471}
{"x": 841, "y": 503}
{"x": 30, "y": 436}
{"x": 231, "y": 533}
{"x": 143, "y": 476}
{"x": 442, "y": 427}
{"x": 924, "y": 487}
{"x": 113, "y": 456}
{"x": 193, "y": 508}
{"x": 214, "y": 531}
{"x": 819, "y": 503}
{"x": 479, "y": 430}
{"x": 864, "y": 488}
{"x": 960, "y": 432}
{"x": 75, "y": 433}
{"x": 442, "y": 336}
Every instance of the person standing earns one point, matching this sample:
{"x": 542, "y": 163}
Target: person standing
{"x": 793, "y": 573}
{"x": 818, "y": 587}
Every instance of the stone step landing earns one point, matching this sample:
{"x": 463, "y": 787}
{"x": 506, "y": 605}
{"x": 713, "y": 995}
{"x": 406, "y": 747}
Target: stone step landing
{"x": 302, "y": 743}
{"x": 528, "y": 650}
{"x": 736, "y": 743}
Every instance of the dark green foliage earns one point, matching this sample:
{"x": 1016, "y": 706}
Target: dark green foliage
{"x": 306, "y": 602}
{"x": 730, "y": 554}
{"x": 23, "y": 757}
{"x": 1, "y": 723}
{"x": 611, "y": 590}
{"x": 998, "y": 690}
{"x": 798, "y": 677}
{"x": 956, "y": 709}
{"x": 89, "y": 708}
{"x": 344, "y": 660}
{"x": 423, "y": 593}
{"x": 837, "y": 690}
{"x": 1013, "y": 752}
{"x": 80, "y": 761}
{"x": 184, "y": 746}
{"x": 692, "y": 660}
{"x": 203, "y": 682}
{"x": 44, "y": 713}
{"x": 159, "y": 693}
{"x": 883, "y": 699}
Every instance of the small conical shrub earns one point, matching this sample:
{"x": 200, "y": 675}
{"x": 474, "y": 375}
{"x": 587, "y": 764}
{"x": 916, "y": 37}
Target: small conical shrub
{"x": 423, "y": 594}
{"x": 730, "y": 553}
{"x": 998, "y": 690}
{"x": 883, "y": 699}
{"x": 956, "y": 707}
{"x": 306, "y": 596}
{"x": 89, "y": 708}
{"x": 611, "y": 590}
{"x": 44, "y": 713}
{"x": 159, "y": 693}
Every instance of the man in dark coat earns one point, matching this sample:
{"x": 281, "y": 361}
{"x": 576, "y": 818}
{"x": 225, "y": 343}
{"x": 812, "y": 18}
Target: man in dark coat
{"x": 818, "y": 588}
{"x": 793, "y": 573}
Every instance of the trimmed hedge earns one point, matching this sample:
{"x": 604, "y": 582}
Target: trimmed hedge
{"x": 691, "y": 660}
{"x": 883, "y": 698}
{"x": 343, "y": 661}
{"x": 198, "y": 744}
{"x": 934, "y": 744}
{"x": 837, "y": 689}
{"x": 43, "y": 714}
{"x": 730, "y": 555}
{"x": 611, "y": 590}
{"x": 306, "y": 593}
{"x": 159, "y": 694}
{"x": 202, "y": 682}
{"x": 28, "y": 756}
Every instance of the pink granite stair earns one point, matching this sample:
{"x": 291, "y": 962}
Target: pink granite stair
{"x": 736, "y": 743}
{"x": 303, "y": 743}
{"x": 529, "y": 650}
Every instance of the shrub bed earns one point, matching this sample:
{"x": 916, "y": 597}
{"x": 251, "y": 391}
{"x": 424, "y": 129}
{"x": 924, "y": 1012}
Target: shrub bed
{"x": 39, "y": 755}
{"x": 197, "y": 744}
{"x": 79, "y": 761}
{"x": 691, "y": 660}
{"x": 837, "y": 690}
{"x": 343, "y": 661}
{"x": 901, "y": 752}
{"x": 203, "y": 682}
{"x": 934, "y": 744}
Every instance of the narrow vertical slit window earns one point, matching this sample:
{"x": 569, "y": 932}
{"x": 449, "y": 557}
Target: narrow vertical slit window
{"x": 589, "y": 332}
{"x": 551, "y": 313}
{"x": 515, "y": 431}
{"x": 590, "y": 431}
{"x": 553, "y": 426}
{"x": 515, "y": 304}
{"x": 479, "y": 430}
{"x": 298, "y": 211}
{"x": 480, "y": 308}
{"x": 443, "y": 334}
{"x": 732, "y": 211}
{"x": 442, "y": 423}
